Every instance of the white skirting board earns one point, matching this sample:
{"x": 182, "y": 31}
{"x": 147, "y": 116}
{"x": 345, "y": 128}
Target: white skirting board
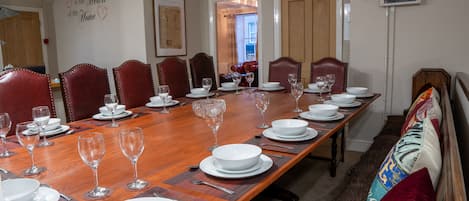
{"x": 358, "y": 145}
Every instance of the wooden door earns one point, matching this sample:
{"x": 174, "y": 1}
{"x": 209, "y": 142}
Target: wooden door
{"x": 23, "y": 40}
{"x": 308, "y": 31}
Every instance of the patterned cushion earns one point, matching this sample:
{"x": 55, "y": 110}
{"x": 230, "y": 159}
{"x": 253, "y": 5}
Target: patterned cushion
{"x": 427, "y": 103}
{"x": 418, "y": 148}
{"x": 416, "y": 187}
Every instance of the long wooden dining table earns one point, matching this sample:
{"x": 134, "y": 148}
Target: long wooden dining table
{"x": 173, "y": 143}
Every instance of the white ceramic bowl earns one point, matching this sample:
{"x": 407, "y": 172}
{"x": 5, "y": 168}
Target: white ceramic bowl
{"x": 323, "y": 109}
{"x": 357, "y": 90}
{"x": 237, "y": 156}
{"x": 119, "y": 109}
{"x": 289, "y": 127}
{"x": 54, "y": 123}
{"x": 313, "y": 86}
{"x": 158, "y": 100}
{"x": 271, "y": 84}
{"x": 343, "y": 98}
{"x": 228, "y": 85}
{"x": 199, "y": 91}
{"x": 22, "y": 189}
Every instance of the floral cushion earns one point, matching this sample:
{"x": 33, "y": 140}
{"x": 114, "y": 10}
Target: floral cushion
{"x": 416, "y": 187}
{"x": 419, "y": 147}
{"x": 426, "y": 104}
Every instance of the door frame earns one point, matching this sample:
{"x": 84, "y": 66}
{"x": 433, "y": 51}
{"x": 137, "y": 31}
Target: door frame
{"x": 41, "y": 28}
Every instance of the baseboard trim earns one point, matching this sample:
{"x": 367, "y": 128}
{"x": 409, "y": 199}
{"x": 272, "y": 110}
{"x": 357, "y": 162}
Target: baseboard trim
{"x": 358, "y": 145}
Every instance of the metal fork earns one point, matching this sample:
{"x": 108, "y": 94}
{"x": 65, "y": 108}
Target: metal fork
{"x": 276, "y": 145}
{"x": 199, "y": 182}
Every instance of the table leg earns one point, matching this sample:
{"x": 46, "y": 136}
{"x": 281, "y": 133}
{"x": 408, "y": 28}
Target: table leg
{"x": 333, "y": 168}
{"x": 342, "y": 146}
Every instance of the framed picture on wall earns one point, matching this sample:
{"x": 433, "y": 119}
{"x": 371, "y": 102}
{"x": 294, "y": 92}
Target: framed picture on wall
{"x": 170, "y": 27}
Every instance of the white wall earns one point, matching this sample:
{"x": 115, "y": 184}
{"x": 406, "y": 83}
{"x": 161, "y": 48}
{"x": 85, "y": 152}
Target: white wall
{"x": 432, "y": 34}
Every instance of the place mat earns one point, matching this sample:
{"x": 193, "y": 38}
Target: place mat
{"x": 239, "y": 186}
{"x": 168, "y": 194}
{"x": 96, "y": 122}
{"x": 298, "y": 147}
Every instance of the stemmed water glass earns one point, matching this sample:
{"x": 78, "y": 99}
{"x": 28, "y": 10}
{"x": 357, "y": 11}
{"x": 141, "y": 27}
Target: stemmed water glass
{"x": 41, "y": 116}
{"x": 207, "y": 84}
{"x": 262, "y": 101}
{"x": 91, "y": 149}
{"x": 330, "y": 82}
{"x": 236, "y": 79}
{"x": 250, "y": 78}
{"x": 163, "y": 93}
{"x": 297, "y": 92}
{"x": 321, "y": 82}
{"x": 211, "y": 111}
{"x": 5, "y": 126}
{"x": 292, "y": 78}
{"x": 131, "y": 144}
{"x": 28, "y": 136}
{"x": 110, "y": 101}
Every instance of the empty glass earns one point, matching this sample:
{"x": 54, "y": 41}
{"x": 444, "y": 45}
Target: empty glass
{"x": 163, "y": 93}
{"x": 111, "y": 101}
{"x": 330, "y": 82}
{"x": 28, "y": 136}
{"x": 236, "y": 79}
{"x": 250, "y": 78}
{"x": 262, "y": 101}
{"x": 321, "y": 82}
{"x": 207, "y": 84}
{"x": 91, "y": 149}
{"x": 292, "y": 78}
{"x": 5, "y": 126}
{"x": 131, "y": 144}
{"x": 41, "y": 116}
{"x": 212, "y": 112}
{"x": 297, "y": 92}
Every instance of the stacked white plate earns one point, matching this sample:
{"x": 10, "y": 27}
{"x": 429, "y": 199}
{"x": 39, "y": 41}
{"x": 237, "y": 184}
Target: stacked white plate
{"x": 107, "y": 115}
{"x": 359, "y": 92}
{"x": 191, "y": 95}
{"x": 27, "y": 189}
{"x": 290, "y": 130}
{"x": 53, "y": 127}
{"x": 322, "y": 112}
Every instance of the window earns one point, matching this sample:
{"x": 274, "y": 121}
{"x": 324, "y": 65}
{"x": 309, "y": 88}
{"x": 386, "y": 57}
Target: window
{"x": 246, "y": 37}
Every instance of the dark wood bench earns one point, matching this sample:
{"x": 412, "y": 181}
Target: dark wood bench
{"x": 451, "y": 185}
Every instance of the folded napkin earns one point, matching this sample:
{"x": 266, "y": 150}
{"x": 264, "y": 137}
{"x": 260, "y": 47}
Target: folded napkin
{"x": 53, "y": 123}
{"x": 158, "y": 100}
{"x": 107, "y": 112}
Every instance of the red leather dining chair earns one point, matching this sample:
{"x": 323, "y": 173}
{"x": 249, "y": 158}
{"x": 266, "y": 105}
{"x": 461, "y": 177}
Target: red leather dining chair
{"x": 83, "y": 89}
{"x": 134, "y": 84}
{"x": 202, "y": 67}
{"x": 20, "y": 91}
{"x": 280, "y": 68}
{"x": 172, "y": 71}
{"x": 329, "y": 65}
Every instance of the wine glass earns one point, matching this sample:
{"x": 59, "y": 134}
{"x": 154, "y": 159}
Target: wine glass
{"x": 5, "y": 126}
{"x": 262, "y": 101}
{"x": 297, "y": 92}
{"x": 321, "y": 82}
{"x": 330, "y": 82}
{"x": 236, "y": 79}
{"x": 131, "y": 144}
{"x": 207, "y": 84}
{"x": 110, "y": 101}
{"x": 28, "y": 136}
{"x": 292, "y": 78}
{"x": 163, "y": 93}
{"x": 250, "y": 78}
{"x": 41, "y": 116}
{"x": 91, "y": 149}
{"x": 213, "y": 111}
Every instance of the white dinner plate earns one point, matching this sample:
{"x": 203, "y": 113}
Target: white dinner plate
{"x": 150, "y": 199}
{"x": 46, "y": 194}
{"x": 308, "y": 115}
{"x": 100, "y": 116}
{"x": 230, "y": 89}
{"x": 353, "y": 104}
{"x": 308, "y": 135}
{"x": 367, "y": 95}
{"x": 314, "y": 91}
{"x": 209, "y": 168}
{"x": 190, "y": 95}
{"x": 60, "y": 129}
{"x": 171, "y": 103}
{"x": 255, "y": 167}
{"x": 272, "y": 88}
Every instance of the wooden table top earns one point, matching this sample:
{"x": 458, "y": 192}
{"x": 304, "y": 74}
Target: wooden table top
{"x": 172, "y": 143}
